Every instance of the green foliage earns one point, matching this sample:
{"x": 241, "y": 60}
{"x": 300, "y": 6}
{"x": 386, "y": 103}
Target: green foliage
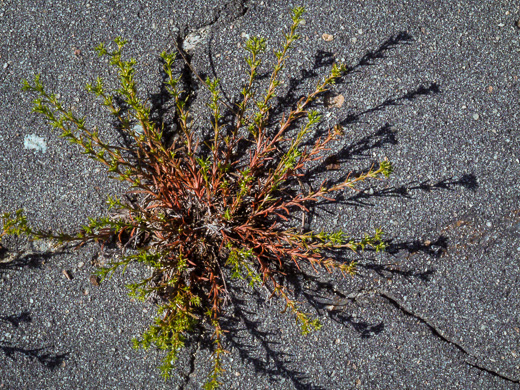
{"x": 202, "y": 214}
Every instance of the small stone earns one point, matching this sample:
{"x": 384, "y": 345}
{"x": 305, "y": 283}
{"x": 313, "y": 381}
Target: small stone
{"x": 490, "y": 89}
{"x": 476, "y": 116}
{"x": 94, "y": 279}
{"x": 488, "y": 224}
{"x": 31, "y": 301}
{"x": 332, "y": 163}
{"x": 6, "y": 65}
{"x": 81, "y": 264}
{"x": 327, "y": 37}
{"x": 360, "y": 31}
{"x": 333, "y": 101}
{"x": 353, "y": 40}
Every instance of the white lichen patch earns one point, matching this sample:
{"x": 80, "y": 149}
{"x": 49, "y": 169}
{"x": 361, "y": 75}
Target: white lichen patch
{"x": 32, "y": 141}
{"x": 195, "y": 38}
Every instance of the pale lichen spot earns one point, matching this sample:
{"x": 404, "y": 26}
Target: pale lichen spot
{"x": 32, "y": 141}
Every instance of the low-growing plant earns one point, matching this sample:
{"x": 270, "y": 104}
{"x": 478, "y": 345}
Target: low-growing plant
{"x": 204, "y": 212}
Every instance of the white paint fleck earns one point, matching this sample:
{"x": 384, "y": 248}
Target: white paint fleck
{"x": 32, "y": 141}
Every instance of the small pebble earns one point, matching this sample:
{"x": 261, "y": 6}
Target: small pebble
{"x": 94, "y": 280}
{"x": 360, "y": 31}
{"x": 31, "y": 301}
{"x": 81, "y": 264}
{"x": 476, "y": 116}
{"x": 353, "y": 40}
{"x": 488, "y": 224}
{"x": 67, "y": 274}
{"x": 327, "y": 37}
{"x": 6, "y": 65}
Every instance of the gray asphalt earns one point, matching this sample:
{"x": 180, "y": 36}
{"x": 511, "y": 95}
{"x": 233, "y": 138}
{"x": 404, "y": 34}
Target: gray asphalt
{"x": 433, "y": 86}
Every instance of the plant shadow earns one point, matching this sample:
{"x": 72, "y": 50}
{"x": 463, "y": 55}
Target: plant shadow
{"x": 272, "y": 362}
{"x": 49, "y": 360}
{"x": 24, "y": 259}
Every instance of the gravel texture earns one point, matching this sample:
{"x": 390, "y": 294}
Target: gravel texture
{"x": 433, "y": 86}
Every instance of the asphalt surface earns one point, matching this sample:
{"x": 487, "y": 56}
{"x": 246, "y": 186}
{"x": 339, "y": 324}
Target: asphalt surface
{"x": 433, "y": 86}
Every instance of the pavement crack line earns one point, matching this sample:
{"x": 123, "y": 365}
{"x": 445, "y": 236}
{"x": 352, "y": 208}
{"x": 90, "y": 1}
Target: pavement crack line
{"x": 440, "y": 334}
{"x": 193, "y": 358}
{"x": 229, "y": 13}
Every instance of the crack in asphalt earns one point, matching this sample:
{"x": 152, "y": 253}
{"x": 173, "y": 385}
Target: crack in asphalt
{"x": 440, "y": 334}
{"x": 435, "y": 331}
{"x": 232, "y": 11}
{"x": 193, "y": 358}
